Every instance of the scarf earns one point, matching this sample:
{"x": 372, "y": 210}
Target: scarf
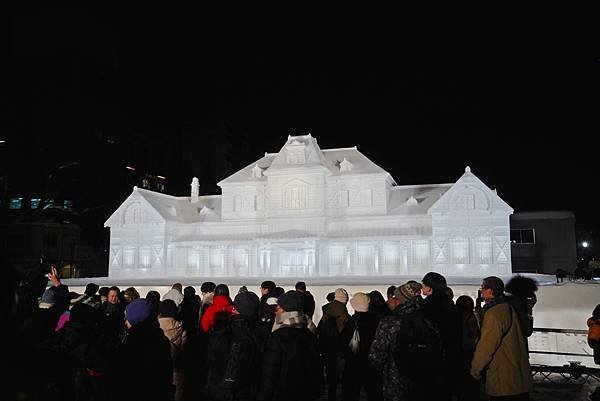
{"x": 290, "y": 319}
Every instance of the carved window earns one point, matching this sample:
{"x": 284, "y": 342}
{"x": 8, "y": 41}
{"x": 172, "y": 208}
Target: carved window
{"x": 337, "y": 255}
{"x": 420, "y": 254}
{"x": 296, "y": 156}
{"x": 391, "y": 254}
{"x": 295, "y": 198}
{"x": 128, "y": 256}
{"x": 145, "y": 256}
{"x": 483, "y": 250}
{"x": 343, "y": 198}
{"x": 237, "y": 203}
{"x": 216, "y": 257}
{"x": 459, "y": 248}
{"x": 240, "y": 258}
{"x": 258, "y": 202}
{"x": 365, "y": 255}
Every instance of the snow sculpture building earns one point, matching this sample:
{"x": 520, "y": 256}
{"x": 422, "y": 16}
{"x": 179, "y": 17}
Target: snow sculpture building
{"x": 312, "y": 213}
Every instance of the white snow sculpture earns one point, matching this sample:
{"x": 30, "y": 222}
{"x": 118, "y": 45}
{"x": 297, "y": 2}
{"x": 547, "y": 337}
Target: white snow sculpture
{"x": 302, "y": 213}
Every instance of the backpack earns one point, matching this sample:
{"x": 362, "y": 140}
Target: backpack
{"x": 419, "y": 352}
{"x": 233, "y": 356}
{"x": 354, "y": 343}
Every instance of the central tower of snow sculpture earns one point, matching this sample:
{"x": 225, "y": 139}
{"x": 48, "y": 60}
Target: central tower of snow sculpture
{"x": 316, "y": 214}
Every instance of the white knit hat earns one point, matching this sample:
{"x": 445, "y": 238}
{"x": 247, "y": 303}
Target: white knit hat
{"x": 360, "y": 302}
{"x": 341, "y": 295}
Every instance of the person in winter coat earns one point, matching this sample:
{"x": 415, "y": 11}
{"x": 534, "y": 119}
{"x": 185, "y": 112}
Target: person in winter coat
{"x": 291, "y": 367}
{"x": 501, "y": 353}
{"x": 207, "y": 289}
{"x": 189, "y": 311}
{"x": 266, "y": 311}
{"x": 329, "y": 329}
{"x": 308, "y": 301}
{"x": 175, "y": 294}
{"x": 440, "y": 310}
{"x": 521, "y": 296}
{"x": 234, "y": 355}
{"x": 406, "y": 301}
{"x": 174, "y": 331}
{"x": 358, "y": 372}
{"x": 221, "y": 303}
{"x": 145, "y": 368}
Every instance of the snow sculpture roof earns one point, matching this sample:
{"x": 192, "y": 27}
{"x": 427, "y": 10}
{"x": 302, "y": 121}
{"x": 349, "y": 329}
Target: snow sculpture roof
{"x": 174, "y": 208}
{"x": 330, "y": 159}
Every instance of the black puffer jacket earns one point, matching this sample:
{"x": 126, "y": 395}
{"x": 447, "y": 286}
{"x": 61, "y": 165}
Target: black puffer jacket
{"x": 291, "y": 366}
{"x": 145, "y": 368}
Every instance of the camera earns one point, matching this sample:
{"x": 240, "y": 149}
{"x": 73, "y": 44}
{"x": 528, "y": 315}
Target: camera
{"x": 478, "y": 294}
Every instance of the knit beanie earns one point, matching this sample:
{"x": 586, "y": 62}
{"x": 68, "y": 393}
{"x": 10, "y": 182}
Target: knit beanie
{"x": 290, "y": 301}
{"x": 341, "y": 295}
{"x": 247, "y": 304}
{"x": 137, "y": 311}
{"x": 360, "y": 302}
{"x": 408, "y": 291}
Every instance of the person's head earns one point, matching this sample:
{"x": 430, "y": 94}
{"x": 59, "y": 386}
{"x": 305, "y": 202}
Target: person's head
{"x": 153, "y": 299}
{"x": 277, "y": 292}
{"x": 492, "y": 287}
{"x": 130, "y": 294}
{"x": 290, "y": 301}
{"x": 360, "y": 302}
{"x": 168, "y": 308}
{"x": 340, "y": 295}
{"x": 178, "y": 287}
{"x": 433, "y": 283}
{"x": 103, "y": 292}
{"x": 404, "y": 293}
{"x": 113, "y": 295}
{"x": 207, "y": 287}
{"x": 189, "y": 292}
{"x": 137, "y": 312}
{"x": 243, "y": 289}
{"x": 84, "y": 314}
{"x": 266, "y": 287}
{"x": 247, "y": 304}
{"x": 376, "y": 299}
{"x": 91, "y": 289}
{"x": 465, "y": 303}
{"x": 390, "y": 291}
{"x": 300, "y": 286}
{"x": 330, "y": 297}
{"x": 222, "y": 289}
{"x": 596, "y": 313}
{"x": 521, "y": 286}
{"x": 449, "y": 293}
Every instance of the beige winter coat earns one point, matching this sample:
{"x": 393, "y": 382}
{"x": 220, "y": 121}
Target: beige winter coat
{"x": 501, "y": 354}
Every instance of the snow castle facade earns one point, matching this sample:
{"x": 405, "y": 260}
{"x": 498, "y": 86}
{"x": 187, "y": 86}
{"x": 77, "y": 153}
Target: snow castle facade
{"x": 313, "y": 214}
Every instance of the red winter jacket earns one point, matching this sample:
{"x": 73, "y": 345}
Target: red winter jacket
{"x": 221, "y": 303}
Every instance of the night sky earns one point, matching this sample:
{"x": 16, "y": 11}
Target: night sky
{"x": 171, "y": 94}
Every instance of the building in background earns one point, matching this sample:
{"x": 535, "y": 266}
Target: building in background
{"x": 542, "y": 242}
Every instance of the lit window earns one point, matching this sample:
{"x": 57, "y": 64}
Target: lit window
{"x": 16, "y": 203}
{"x": 35, "y": 203}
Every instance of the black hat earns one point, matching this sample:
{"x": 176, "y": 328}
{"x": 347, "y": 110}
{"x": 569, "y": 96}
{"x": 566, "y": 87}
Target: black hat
{"x": 247, "y": 303}
{"x": 290, "y": 301}
{"x": 168, "y": 308}
{"x": 91, "y": 289}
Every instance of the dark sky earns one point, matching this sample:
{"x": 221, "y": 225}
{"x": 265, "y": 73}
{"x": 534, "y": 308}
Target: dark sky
{"x": 517, "y": 102}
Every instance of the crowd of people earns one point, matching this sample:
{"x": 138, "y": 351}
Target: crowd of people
{"x": 109, "y": 343}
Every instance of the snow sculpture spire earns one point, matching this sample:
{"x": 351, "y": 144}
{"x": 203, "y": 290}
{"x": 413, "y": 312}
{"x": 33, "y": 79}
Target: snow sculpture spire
{"x": 195, "y": 190}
